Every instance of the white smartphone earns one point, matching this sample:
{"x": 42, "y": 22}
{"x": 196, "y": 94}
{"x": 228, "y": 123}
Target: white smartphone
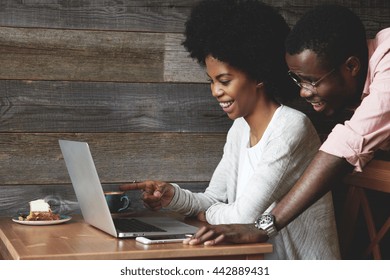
{"x": 162, "y": 239}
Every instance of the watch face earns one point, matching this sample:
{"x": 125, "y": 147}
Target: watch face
{"x": 266, "y": 223}
{"x": 266, "y": 219}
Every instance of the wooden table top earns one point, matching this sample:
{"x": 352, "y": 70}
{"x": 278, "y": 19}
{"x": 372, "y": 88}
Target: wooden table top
{"x": 77, "y": 240}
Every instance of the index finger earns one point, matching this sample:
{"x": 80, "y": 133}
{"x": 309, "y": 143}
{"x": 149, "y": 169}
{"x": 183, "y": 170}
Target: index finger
{"x": 133, "y": 186}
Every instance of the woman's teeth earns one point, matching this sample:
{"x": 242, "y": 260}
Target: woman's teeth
{"x": 225, "y": 104}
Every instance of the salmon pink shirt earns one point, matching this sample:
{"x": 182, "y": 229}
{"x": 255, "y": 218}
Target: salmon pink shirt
{"x": 369, "y": 128}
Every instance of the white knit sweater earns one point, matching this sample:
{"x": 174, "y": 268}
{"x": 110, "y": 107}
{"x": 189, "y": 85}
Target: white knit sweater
{"x": 249, "y": 180}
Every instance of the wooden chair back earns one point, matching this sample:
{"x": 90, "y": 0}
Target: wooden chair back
{"x": 375, "y": 177}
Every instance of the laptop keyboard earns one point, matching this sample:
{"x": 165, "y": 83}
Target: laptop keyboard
{"x": 134, "y": 225}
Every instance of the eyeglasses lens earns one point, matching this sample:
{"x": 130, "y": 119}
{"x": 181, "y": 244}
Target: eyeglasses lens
{"x": 300, "y": 83}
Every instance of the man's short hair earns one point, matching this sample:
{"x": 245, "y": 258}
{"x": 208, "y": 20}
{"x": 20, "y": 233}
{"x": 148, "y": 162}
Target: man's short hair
{"x": 333, "y": 32}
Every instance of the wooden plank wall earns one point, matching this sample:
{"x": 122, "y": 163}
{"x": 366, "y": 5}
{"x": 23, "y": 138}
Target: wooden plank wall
{"x": 112, "y": 73}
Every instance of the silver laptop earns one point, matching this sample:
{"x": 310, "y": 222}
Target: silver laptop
{"x": 93, "y": 205}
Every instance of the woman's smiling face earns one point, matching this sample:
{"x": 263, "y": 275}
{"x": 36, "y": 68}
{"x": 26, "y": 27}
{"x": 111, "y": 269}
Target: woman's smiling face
{"x": 234, "y": 90}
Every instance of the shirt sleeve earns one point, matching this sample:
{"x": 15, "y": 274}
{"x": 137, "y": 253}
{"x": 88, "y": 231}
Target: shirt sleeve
{"x": 189, "y": 203}
{"x": 369, "y": 128}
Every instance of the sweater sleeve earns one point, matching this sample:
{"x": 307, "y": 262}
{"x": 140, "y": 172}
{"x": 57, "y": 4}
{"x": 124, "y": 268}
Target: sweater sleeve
{"x": 189, "y": 203}
{"x": 287, "y": 152}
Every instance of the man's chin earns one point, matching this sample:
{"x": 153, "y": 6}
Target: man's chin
{"x": 339, "y": 115}
{"x": 328, "y": 113}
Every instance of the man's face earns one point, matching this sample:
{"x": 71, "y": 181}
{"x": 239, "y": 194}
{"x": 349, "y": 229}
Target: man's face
{"x": 328, "y": 90}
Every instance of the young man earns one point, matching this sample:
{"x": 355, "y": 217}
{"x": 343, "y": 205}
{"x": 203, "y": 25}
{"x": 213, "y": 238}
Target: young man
{"x": 330, "y": 60}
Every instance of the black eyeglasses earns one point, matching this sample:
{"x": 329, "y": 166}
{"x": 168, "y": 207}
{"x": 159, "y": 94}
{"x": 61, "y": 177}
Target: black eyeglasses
{"x": 310, "y": 86}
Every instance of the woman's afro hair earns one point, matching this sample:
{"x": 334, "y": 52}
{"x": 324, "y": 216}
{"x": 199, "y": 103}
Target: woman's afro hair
{"x": 248, "y": 35}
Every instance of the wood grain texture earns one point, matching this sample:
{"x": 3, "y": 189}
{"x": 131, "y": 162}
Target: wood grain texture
{"x": 45, "y": 106}
{"x": 84, "y": 55}
{"x": 14, "y": 199}
{"x": 50, "y": 54}
{"x": 77, "y": 240}
{"x": 119, "y": 157}
{"x": 368, "y": 197}
{"x": 149, "y": 16}
{"x": 178, "y": 67}
{"x": 157, "y": 16}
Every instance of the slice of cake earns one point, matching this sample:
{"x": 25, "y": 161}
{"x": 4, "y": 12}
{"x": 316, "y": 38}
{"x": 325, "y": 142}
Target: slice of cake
{"x": 40, "y": 211}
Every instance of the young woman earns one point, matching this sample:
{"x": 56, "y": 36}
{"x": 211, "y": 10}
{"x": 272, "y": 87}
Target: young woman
{"x": 241, "y": 45}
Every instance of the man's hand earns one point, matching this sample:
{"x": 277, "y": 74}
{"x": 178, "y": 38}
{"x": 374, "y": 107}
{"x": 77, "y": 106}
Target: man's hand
{"x": 235, "y": 233}
{"x": 155, "y": 194}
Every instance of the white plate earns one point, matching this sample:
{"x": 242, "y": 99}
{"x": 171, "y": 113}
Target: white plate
{"x": 63, "y": 219}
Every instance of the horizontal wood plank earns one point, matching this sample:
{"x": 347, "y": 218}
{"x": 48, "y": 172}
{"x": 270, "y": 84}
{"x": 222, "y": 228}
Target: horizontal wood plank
{"x": 29, "y": 106}
{"x": 62, "y": 199}
{"x": 156, "y": 16}
{"x": 119, "y": 157}
{"x": 49, "y": 54}
{"x": 149, "y": 16}
{"x": 84, "y": 55}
